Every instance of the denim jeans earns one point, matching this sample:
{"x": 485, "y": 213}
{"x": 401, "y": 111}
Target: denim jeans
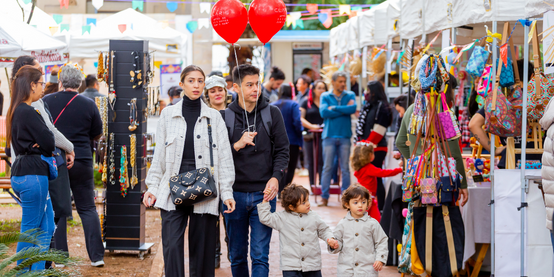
{"x": 238, "y": 223}
{"x": 333, "y": 147}
{"x": 37, "y": 210}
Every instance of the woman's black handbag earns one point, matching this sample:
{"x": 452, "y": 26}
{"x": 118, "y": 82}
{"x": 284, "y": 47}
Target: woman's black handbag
{"x": 197, "y": 185}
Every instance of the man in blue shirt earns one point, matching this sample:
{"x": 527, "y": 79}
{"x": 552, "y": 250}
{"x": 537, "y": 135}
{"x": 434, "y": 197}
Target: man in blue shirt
{"x": 336, "y": 108}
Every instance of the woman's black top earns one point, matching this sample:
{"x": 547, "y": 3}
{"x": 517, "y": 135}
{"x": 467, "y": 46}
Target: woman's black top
{"x": 80, "y": 122}
{"x": 312, "y": 114}
{"x": 191, "y": 112}
{"x": 377, "y": 113}
{"x": 28, "y": 128}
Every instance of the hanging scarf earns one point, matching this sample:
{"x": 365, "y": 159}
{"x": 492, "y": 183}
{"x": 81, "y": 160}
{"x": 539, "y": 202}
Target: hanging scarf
{"x": 362, "y": 120}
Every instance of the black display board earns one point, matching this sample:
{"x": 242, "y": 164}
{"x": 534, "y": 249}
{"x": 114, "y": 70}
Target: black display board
{"x": 125, "y": 216}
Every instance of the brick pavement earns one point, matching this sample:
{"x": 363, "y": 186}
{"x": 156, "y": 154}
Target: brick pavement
{"x": 331, "y": 215}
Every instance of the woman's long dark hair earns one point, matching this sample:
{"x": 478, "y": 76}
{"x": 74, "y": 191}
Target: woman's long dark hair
{"x": 21, "y": 91}
{"x": 376, "y": 93}
{"x": 285, "y": 92}
{"x": 20, "y": 62}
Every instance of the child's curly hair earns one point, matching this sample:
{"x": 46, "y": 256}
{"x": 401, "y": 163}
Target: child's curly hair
{"x": 361, "y": 156}
{"x": 353, "y": 192}
{"x": 292, "y": 195}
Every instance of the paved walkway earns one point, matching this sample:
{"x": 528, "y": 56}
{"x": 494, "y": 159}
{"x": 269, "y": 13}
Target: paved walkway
{"x": 331, "y": 215}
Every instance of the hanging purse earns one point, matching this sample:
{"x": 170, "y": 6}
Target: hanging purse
{"x": 507, "y": 78}
{"x": 476, "y": 63}
{"x": 483, "y": 87}
{"x": 405, "y": 259}
{"x": 448, "y": 121}
{"x": 428, "y": 189}
{"x": 197, "y": 185}
{"x": 540, "y": 88}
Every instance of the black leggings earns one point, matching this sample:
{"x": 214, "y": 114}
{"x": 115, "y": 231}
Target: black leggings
{"x": 287, "y": 178}
{"x": 381, "y": 193}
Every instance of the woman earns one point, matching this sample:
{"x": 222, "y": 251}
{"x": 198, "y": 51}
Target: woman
{"x": 312, "y": 120}
{"x": 59, "y": 188}
{"x": 78, "y": 119}
{"x": 375, "y": 118}
{"x": 30, "y": 139}
{"x": 291, "y": 115}
{"x": 215, "y": 93}
{"x": 183, "y": 146}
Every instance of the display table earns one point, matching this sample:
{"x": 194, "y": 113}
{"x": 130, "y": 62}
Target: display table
{"x": 477, "y": 224}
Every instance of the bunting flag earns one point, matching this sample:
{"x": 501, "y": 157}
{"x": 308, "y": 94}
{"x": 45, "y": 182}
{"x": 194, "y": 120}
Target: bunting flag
{"x": 138, "y": 4}
{"x": 53, "y": 30}
{"x": 64, "y": 3}
{"x": 172, "y": 6}
{"x": 164, "y": 24}
{"x": 325, "y": 18}
{"x": 205, "y": 7}
{"x": 311, "y": 8}
{"x": 288, "y": 21}
{"x": 122, "y": 27}
{"x": 300, "y": 23}
{"x": 26, "y": 2}
{"x": 64, "y": 27}
{"x": 97, "y": 4}
{"x": 504, "y": 54}
{"x": 58, "y": 18}
{"x": 85, "y": 29}
{"x": 192, "y": 26}
{"x": 91, "y": 21}
{"x": 356, "y": 9}
{"x": 344, "y": 9}
{"x": 157, "y": 64}
{"x": 203, "y": 23}
{"x": 95, "y": 63}
{"x": 531, "y": 31}
{"x": 295, "y": 15}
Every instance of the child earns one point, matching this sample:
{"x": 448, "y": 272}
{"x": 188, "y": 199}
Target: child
{"x": 362, "y": 243}
{"x": 299, "y": 229}
{"x": 367, "y": 173}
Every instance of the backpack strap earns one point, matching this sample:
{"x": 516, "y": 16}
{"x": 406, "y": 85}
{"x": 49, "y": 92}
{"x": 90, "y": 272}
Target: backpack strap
{"x": 229, "y": 117}
{"x": 266, "y": 119}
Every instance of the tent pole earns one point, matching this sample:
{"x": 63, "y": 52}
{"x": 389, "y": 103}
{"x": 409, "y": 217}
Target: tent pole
{"x": 361, "y": 77}
{"x": 8, "y": 78}
{"x": 524, "y": 146}
{"x": 493, "y": 149}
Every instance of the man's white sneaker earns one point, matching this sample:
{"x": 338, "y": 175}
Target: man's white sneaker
{"x": 98, "y": 263}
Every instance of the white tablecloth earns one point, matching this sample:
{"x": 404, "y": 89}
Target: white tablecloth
{"x": 477, "y": 220}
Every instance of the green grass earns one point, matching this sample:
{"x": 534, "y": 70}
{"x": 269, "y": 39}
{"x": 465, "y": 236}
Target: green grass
{"x": 10, "y": 225}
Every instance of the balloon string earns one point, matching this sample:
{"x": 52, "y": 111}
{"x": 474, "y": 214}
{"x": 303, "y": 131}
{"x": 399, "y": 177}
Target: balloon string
{"x": 241, "y": 91}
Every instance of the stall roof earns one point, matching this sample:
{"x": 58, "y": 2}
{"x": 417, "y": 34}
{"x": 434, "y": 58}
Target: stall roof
{"x": 301, "y": 35}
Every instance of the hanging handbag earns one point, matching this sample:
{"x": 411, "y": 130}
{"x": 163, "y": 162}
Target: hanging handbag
{"x": 449, "y": 181}
{"x": 197, "y": 185}
{"x": 428, "y": 190}
{"x": 405, "y": 259}
{"x": 476, "y": 63}
{"x": 439, "y": 239}
{"x": 507, "y": 78}
{"x": 448, "y": 121}
{"x": 500, "y": 116}
{"x": 484, "y": 86}
{"x": 540, "y": 89}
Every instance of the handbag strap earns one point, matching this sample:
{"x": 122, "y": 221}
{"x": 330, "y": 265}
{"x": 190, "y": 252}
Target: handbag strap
{"x": 499, "y": 68}
{"x": 429, "y": 240}
{"x": 65, "y": 107}
{"x": 211, "y": 146}
{"x": 537, "y": 64}
{"x": 450, "y": 240}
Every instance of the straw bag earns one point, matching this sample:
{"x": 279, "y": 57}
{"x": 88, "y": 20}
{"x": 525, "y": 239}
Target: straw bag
{"x": 540, "y": 88}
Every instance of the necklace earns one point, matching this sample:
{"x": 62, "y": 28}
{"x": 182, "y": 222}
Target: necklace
{"x": 104, "y": 116}
{"x": 136, "y": 74}
{"x": 133, "y": 116}
{"x": 111, "y": 94}
{"x": 112, "y": 159}
{"x": 133, "y": 161}
{"x": 123, "y": 174}
{"x": 100, "y": 74}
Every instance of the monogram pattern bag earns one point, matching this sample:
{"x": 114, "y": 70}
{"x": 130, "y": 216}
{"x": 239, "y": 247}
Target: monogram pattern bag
{"x": 476, "y": 63}
{"x": 540, "y": 88}
{"x": 197, "y": 185}
{"x": 428, "y": 188}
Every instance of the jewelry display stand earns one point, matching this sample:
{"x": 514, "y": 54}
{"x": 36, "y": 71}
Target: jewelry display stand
{"x": 125, "y": 217}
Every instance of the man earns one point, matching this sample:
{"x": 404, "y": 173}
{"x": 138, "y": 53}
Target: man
{"x": 261, "y": 152}
{"x": 335, "y": 108}
{"x": 302, "y": 87}
{"x": 309, "y": 72}
{"x": 271, "y": 87}
{"x": 92, "y": 87}
{"x": 174, "y": 94}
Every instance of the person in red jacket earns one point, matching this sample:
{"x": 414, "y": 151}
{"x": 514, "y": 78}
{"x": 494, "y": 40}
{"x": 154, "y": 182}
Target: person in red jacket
{"x": 367, "y": 173}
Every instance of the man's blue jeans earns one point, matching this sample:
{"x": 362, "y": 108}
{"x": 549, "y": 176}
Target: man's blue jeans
{"x": 37, "y": 210}
{"x": 238, "y": 222}
{"x": 333, "y": 147}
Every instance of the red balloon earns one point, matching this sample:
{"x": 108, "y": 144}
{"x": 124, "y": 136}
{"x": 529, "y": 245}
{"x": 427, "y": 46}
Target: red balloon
{"x": 229, "y": 19}
{"x": 267, "y": 17}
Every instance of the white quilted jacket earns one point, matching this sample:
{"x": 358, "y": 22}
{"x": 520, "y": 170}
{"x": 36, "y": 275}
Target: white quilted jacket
{"x": 547, "y": 123}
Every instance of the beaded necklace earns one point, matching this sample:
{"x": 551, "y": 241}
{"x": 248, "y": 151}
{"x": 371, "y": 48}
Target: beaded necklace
{"x": 123, "y": 173}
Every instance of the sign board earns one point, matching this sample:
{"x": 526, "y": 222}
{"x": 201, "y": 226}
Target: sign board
{"x": 307, "y": 46}
{"x": 170, "y": 76}
{"x": 48, "y": 70}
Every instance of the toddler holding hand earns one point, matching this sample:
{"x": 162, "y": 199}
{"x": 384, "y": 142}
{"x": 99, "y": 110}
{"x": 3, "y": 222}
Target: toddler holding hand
{"x": 362, "y": 243}
{"x": 299, "y": 229}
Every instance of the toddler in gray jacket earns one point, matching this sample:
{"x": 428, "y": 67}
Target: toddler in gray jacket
{"x": 299, "y": 230}
{"x": 362, "y": 243}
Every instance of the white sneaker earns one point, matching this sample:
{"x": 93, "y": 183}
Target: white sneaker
{"x": 98, "y": 263}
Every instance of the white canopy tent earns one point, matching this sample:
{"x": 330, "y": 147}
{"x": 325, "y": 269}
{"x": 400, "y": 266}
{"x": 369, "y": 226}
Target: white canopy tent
{"x": 12, "y": 11}
{"x": 166, "y": 41}
{"x": 393, "y": 15}
{"x": 380, "y": 36}
{"x": 18, "y": 38}
{"x": 537, "y": 7}
{"x": 353, "y": 34}
{"x": 367, "y": 24}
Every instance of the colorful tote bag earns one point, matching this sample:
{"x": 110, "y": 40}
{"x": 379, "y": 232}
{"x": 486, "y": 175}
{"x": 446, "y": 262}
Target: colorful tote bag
{"x": 484, "y": 86}
{"x": 446, "y": 118}
{"x": 428, "y": 190}
{"x": 507, "y": 76}
{"x": 540, "y": 88}
{"x": 476, "y": 63}
{"x": 405, "y": 259}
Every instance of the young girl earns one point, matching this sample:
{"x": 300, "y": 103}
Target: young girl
{"x": 367, "y": 173}
{"x": 362, "y": 243}
{"x": 299, "y": 229}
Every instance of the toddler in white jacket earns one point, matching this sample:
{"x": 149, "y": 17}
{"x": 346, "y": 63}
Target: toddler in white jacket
{"x": 362, "y": 243}
{"x": 299, "y": 230}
